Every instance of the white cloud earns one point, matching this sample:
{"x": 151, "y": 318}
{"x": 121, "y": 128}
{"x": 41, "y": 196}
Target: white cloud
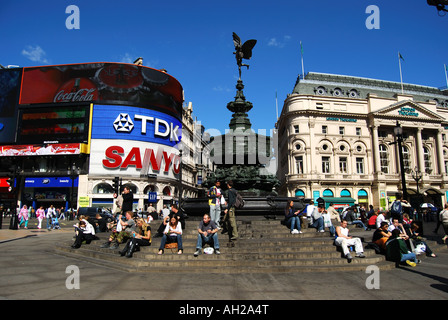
{"x": 221, "y": 89}
{"x": 274, "y": 42}
{"x": 36, "y": 54}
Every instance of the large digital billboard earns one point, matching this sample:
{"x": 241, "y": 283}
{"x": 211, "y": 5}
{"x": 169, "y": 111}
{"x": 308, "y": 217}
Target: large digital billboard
{"x": 107, "y": 83}
{"x": 137, "y": 124}
{"x": 133, "y": 141}
{"x": 9, "y": 96}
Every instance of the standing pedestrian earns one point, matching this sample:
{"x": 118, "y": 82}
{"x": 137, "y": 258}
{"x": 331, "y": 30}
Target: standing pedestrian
{"x": 23, "y": 216}
{"x": 230, "y": 215}
{"x": 51, "y": 212}
{"x": 214, "y": 195}
{"x": 128, "y": 200}
{"x": 40, "y": 214}
{"x": 444, "y": 219}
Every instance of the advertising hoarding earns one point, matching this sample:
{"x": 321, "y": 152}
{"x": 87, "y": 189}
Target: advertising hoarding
{"x": 136, "y": 159}
{"x": 9, "y": 96}
{"x": 108, "y": 83}
{"x": 136, "y": 124}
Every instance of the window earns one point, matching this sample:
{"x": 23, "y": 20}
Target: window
{"x": 406, "y": 159}
{"x": 341, "y": 130}
{"x": 358, "y": 131}
{"x": 325, "y": 164}
{"x": 299, "y": 164}
{"x": 360, "y": 165}
{"x": 384, "y": 159}
{"x": 427, "y": 158}
{"x": 343, "y": 164}
{"x": 296, "y": 128}
{"x": 324, "y": 129}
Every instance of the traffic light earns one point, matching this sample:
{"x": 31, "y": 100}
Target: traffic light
{"x": 10, "y": 181}
{"x": 115, "y": 185}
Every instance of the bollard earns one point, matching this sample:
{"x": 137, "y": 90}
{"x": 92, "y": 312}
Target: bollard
{"x": 14, "y": 223}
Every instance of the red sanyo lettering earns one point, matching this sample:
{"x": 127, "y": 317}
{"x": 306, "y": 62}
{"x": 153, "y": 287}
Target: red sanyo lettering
{"x": 115, "y": 154}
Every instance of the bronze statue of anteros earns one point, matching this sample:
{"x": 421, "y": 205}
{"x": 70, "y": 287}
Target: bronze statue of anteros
{"x": 242, "y": 51}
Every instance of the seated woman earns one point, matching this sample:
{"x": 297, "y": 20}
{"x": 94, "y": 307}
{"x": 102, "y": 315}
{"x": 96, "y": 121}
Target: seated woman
{"x": 140, "y": 237}
{"x": 83, "y": 231}
{"x": 397, "y": 251}
{"x": 418, "y": 240}
{"x": 381, "y": 235}
{"x": 292, "y": 218}
{"x": 172, "y": 233}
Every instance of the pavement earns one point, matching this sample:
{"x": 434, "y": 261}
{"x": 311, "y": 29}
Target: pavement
{"x": 30, "y": 269}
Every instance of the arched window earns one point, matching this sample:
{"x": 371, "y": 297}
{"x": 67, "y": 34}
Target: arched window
{"x": 384, "y": 159}
{"x": 327, "y": 193}
{"x": 103, "y": 188}
{"x": 166, "y": 191}
{"x": 345, "y": 193}
{"x": 300, "y": 193}
{"x": 406, "y": 159}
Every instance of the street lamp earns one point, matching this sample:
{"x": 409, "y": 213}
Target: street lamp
{"x": 417, "y": 176}
{"x": 398, "y": 132}
{"x": 72, "y": 171}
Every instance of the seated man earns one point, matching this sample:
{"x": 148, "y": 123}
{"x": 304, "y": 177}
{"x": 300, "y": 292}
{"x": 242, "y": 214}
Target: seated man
{"x": 381, "y": 235}
{"x": 317, "y": 221}
{"x": 120, "y": 237}
{"x": 344, "y": 240}
{"x": 208, "y": 232}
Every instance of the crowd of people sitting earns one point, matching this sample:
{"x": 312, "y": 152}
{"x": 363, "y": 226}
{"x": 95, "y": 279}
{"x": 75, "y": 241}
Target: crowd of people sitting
{"x": 396, "y": 233}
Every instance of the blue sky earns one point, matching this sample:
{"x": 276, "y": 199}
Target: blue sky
{"x": 193, "y": 41}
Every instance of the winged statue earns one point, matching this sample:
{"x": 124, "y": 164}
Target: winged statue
{"x": 243, "y": 51}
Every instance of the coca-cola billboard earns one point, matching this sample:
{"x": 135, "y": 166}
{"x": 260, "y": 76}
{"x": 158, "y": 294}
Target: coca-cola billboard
{"x": 105, "y": 83}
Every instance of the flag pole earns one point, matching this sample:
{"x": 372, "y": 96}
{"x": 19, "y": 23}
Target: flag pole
{"x": 276, "y": 104}
{"x": 446, "y": 76}
{"x": 303, "y": 69}
{"x": 401, "y": 75}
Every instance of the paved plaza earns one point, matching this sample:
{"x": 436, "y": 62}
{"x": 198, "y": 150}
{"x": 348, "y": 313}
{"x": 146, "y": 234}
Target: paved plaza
{"x": 32, "y": 270}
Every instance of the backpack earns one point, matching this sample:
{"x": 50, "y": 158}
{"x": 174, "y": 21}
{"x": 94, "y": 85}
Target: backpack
{"x": 239, "y": 201}
{"x": 396, "y": 209}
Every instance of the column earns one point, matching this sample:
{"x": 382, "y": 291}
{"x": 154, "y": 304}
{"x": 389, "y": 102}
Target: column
{"x": 439, "y": 152}
{"x": 376, "y": 150}
{"x": 419, "y": 156}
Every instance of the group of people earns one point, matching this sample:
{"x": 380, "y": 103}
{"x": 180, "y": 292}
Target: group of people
{"x": 396, "y": 234}
{"x": 134, "y": 231}
{"x": 51, "y": 214}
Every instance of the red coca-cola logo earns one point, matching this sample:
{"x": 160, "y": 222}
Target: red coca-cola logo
{"x": 76, "y": 90}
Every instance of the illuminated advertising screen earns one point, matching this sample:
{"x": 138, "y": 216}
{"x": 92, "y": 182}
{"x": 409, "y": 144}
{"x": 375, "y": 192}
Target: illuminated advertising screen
{"x": 108, "y": 83}
{"x": 9, "y": 96}
{"x": 137, "y": 124}
{"x": 55, "y": 124}
{"x": 132, "y": 141}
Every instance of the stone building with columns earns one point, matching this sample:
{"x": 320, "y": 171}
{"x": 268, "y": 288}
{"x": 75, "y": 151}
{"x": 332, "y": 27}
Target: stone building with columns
{"x": 336, "y": 140}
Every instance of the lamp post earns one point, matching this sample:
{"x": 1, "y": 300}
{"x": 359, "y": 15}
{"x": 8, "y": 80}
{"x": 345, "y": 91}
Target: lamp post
{"x": 417, "y": 176}
{"x": 72, "y": 171}
{"x": 398, "y": 132}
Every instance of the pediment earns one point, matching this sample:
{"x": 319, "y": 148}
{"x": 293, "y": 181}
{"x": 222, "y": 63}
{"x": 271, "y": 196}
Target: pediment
{"x": 408, "y": 109}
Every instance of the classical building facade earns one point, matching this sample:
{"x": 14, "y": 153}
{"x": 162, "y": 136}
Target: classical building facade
{"x": 336, "y": 140}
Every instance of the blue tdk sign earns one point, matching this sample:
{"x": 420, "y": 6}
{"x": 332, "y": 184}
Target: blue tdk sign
{"x": 133, "y": 123}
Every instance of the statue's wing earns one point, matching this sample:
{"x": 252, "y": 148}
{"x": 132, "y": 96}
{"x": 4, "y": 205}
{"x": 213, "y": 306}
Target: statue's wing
{"x": 247, "y": 48}
{"x": 236, "y": 40}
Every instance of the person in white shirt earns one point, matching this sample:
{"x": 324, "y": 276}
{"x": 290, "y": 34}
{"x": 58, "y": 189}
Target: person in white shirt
{"x": 381, "y": 218}
{"x": 310, "y": 209}
{"x": 172, "y": 233}
{"x": 344, "y": 240}
{"x": 51, "y": 212}
{"x": 83, "y": 231}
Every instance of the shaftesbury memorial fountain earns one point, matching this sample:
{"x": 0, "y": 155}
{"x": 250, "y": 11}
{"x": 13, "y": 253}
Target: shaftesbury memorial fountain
{"x": 243, "y": 156}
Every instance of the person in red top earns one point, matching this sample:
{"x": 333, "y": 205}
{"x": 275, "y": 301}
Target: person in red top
{"x": 372, "y": 220}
